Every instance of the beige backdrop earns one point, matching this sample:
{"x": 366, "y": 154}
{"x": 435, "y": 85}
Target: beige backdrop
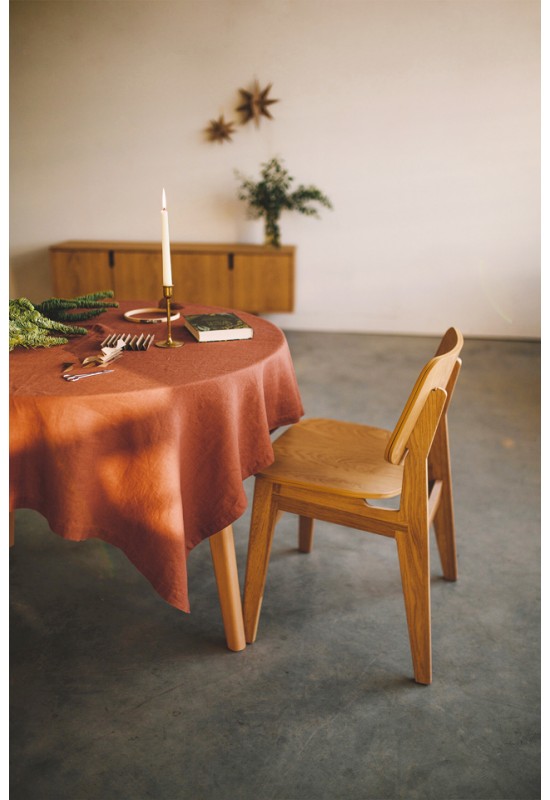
{"x": 419, "y": 118}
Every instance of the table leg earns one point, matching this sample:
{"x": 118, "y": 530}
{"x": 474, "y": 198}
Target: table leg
{"x": 222, "y": 547}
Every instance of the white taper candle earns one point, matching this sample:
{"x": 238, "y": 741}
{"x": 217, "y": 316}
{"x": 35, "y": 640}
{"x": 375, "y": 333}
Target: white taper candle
{"x": 166, "y": 262}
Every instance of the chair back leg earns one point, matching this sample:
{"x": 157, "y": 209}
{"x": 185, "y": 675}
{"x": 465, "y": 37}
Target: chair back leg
{"x": 413, "y": 543}
{"x": 443, "y": 521}
{"x": 305, "y": 534}
{"x": 414, "y": 562}
{"x": 445, "y": 534}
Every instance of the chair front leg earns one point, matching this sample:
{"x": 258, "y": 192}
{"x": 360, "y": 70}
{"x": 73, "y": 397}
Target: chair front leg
{"x": 262, "y": 527}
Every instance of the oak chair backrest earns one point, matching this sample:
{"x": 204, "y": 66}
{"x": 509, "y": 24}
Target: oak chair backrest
{"x": 435, "y": 375}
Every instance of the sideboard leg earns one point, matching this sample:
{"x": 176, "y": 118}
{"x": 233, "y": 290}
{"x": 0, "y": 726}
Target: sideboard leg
{"x": 222, "y": 547}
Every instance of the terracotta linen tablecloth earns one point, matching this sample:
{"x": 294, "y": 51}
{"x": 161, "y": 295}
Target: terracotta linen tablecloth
{"x": 151, "y": 457}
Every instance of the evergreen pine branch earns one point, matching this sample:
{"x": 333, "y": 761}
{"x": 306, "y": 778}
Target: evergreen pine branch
{"x": 29, "y": 328}
{"x": 57, "y": 308}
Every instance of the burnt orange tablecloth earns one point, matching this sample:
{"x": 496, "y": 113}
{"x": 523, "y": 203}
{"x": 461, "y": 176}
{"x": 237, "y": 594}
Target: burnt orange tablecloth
{"x": 151, "y": 457}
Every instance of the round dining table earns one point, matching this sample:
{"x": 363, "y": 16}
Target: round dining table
{"x": 151, "y": 456}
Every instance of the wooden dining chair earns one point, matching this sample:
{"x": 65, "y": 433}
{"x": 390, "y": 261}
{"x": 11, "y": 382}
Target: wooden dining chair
{"x": 336, "y": 471}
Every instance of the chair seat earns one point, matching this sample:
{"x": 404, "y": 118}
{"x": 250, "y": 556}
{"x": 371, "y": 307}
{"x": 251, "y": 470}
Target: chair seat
{"x": 339, "y": 457}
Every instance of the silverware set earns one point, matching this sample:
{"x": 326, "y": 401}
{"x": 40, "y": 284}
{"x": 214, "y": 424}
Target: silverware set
{"x": 129, "y": 342}
{"x": 111, "y": 349}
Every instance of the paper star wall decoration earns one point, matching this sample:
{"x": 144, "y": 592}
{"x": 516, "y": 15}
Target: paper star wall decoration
{"x": 219, "y": 130}
{"x": 256, "y": 103}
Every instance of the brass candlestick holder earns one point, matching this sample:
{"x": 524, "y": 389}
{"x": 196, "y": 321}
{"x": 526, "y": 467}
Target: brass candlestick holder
{"x": 168, "y": 291}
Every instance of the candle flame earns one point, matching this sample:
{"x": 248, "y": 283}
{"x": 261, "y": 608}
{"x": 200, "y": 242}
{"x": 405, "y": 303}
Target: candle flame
{"x": 163, "y": 200}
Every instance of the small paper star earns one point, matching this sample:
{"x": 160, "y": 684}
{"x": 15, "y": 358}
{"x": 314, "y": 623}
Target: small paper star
{"x": 256, "y": 103}
{"x": 219, "y": 130}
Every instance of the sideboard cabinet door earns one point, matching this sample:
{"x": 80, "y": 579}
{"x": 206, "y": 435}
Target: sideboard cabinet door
{"x": 263, "y": 283}
{"x": 137, "y": 275}
{"x": 76, "y": 272}
{"x": 202, "y": 278}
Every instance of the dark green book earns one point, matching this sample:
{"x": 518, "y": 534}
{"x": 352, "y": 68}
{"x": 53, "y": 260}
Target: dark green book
{"x": 217, "y": 327}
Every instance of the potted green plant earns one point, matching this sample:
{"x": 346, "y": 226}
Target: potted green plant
{"x": 272, "y": 195}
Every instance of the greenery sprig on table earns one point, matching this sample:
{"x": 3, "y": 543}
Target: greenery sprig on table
{"x": 272, "y": 195}
{"x": 32, "y": 326}
{"x": 63, "y": 310}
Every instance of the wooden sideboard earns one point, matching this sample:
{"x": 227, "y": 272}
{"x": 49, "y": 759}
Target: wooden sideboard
{"x": 250, "y": 277}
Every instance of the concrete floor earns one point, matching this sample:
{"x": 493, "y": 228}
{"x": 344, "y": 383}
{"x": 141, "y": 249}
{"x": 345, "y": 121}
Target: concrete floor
{"x": 117, "y": 696}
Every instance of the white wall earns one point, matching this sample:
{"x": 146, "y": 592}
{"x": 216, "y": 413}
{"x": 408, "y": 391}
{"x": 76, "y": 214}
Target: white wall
{"x": 419, "y": 119}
